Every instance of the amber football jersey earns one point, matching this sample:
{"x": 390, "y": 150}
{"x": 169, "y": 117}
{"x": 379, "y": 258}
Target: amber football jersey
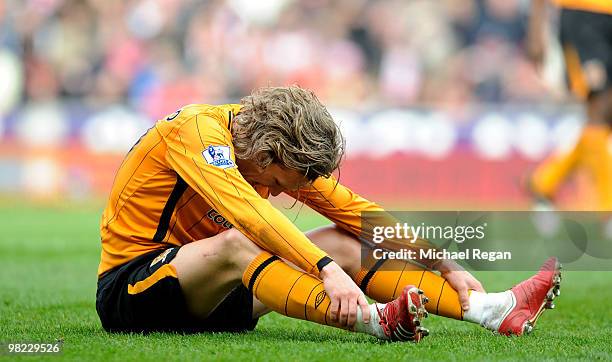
{"x": 596, "y": 6}
{"x": 180, "y": 183}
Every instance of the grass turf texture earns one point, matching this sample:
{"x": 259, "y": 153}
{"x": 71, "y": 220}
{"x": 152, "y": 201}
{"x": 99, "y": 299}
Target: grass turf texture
{"x": 48, "y": 261}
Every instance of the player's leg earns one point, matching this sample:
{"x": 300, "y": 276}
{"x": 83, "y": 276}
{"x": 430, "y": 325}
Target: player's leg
{"x": 259, "y": 309}
{"x": 506, "y": 312}
{"x": 145, "y": 295}
{"x": 384, "y": 284}
{"x": 209, "y": 269}
{"x": 587, "y": 42}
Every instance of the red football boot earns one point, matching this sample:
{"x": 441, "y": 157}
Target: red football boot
{"x": 401, "y": 319}
{"x": 531, "y": 297}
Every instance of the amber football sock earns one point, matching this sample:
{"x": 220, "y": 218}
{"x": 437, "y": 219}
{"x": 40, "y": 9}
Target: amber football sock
{"x": 296, "y": 294}
{"x": 386, "y": 279}
{"x": 286, "y": 290}
{"x": 299, "y": 295}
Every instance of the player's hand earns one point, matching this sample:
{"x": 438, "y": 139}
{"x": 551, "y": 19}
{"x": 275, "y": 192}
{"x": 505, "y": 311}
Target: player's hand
{"x": 345, "y": 296}
{"x": 460, "y": 279}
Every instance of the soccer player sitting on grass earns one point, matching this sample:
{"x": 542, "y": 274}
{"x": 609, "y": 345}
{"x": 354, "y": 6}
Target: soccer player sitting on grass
{"x": 190, "y": 242}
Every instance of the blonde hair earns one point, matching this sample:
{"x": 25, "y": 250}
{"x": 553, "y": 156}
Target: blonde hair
{"x": 289, "y": 126}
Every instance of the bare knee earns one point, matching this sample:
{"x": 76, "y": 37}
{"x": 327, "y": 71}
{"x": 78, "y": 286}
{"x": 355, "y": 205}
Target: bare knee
{"x": 209, "y": 269}
{"x": 222, "y": 258}
{"x": 237, "y": 248}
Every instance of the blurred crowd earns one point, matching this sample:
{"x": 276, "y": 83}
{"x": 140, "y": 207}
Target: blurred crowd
{"x": 155, "y": 55}
{"x": 81, "y": 80}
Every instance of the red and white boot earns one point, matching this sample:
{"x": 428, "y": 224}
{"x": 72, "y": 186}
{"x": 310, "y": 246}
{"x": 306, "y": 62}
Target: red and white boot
{"x": 401, "y": 319}
{"x": 531, "y": 297}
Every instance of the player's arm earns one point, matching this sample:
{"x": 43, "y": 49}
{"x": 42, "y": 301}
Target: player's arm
{"x": 224, "y": 188}
{"x": 345, "y": 208}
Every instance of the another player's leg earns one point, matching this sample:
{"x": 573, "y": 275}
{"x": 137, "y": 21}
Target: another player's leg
{"x": 523, "y": 304}
{"x": 209, "y": 269}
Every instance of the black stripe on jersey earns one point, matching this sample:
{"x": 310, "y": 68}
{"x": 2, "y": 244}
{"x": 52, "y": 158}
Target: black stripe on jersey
{"x": 178, "y": 210}
{"x": 259, "y": 269}
{"x": 164, "y": 220}
{"x": 370, "y": 274}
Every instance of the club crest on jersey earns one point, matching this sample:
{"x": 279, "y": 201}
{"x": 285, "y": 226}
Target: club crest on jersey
{"x": 218, "y": 156}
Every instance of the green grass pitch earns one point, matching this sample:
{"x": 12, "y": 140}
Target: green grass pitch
{"x": 48, "y": 261}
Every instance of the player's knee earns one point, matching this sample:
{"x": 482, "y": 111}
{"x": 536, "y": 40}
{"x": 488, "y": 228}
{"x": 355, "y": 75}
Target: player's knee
{"x": 346, "y": 242}
{"x": 238, "y": 247}
{"x": 342, "y": 246}
{"x": 234, "y": 239}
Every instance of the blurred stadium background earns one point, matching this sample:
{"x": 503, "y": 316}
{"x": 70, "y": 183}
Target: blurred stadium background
{"x": 438, "y": 100}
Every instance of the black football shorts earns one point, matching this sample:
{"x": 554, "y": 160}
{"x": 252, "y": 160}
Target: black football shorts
{"x": 144, "y": 295}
